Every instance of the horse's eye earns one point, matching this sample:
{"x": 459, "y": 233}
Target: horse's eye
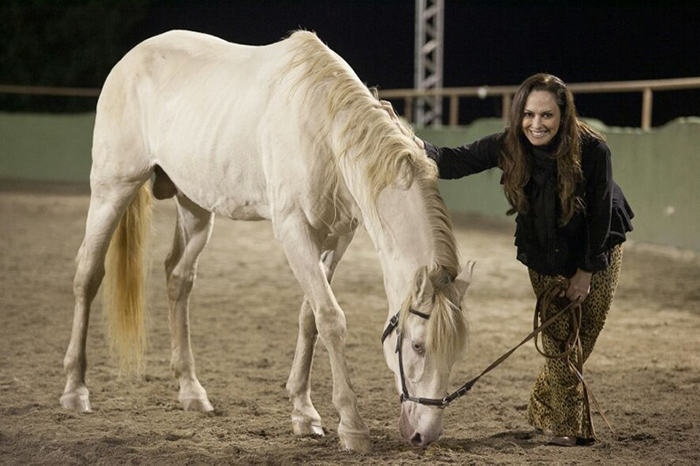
{"x": 419, "y": 348}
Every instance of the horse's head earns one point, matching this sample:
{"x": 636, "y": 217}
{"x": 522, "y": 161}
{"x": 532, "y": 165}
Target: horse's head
{"x": 421, "y": 343}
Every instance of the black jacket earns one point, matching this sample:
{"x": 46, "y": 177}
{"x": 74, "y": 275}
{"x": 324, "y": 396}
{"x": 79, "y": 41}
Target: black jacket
{"x": 542, "y": 244}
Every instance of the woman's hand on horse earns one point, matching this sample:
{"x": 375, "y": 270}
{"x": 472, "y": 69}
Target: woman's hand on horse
{"x": 579, "y": 286}
{"x": 386, "y": 105}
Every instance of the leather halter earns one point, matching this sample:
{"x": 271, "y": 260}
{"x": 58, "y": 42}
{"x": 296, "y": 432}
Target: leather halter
{"x": 391, "y": 326}
{"x": 461, "y": 391}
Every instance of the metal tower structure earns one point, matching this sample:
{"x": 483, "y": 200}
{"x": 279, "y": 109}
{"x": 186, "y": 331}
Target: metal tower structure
{"x": 430, "y": 26}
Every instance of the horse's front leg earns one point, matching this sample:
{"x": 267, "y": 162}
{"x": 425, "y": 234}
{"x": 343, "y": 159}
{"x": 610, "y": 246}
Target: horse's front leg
{"x": 302, "y": 246}
{"x": 305, "y": 418}
{"x": 192, "y": 233}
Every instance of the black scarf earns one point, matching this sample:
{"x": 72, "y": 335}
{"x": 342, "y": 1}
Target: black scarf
{"x": 543, "y": 199}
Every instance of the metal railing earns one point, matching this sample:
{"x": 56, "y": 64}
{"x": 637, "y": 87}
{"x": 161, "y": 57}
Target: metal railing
{"x": 453, "y": 94}
{"x": 56, "y": 91}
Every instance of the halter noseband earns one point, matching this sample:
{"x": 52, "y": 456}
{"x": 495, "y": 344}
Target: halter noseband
{"x": 439, "y": 402}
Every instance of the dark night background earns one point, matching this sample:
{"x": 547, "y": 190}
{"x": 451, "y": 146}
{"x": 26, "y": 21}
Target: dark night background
{"x": 486, "y": 42}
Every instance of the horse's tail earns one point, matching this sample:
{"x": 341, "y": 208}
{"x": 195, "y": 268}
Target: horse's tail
{"x": 124, "y": 292}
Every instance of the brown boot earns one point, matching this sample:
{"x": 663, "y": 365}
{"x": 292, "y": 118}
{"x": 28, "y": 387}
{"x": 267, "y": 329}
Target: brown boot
{"x": 563, "y": 441}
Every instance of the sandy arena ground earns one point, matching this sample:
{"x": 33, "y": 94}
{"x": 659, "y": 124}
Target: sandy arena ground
{"x": 645, "y": 370}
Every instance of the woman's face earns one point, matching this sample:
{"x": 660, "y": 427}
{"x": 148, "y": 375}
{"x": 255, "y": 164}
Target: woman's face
{"x": 541, "y": 118}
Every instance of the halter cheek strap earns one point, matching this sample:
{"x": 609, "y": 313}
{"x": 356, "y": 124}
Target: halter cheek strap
{"x": 391, "y": 326}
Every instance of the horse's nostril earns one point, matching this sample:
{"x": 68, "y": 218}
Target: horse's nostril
{"x": 417, "y": 439}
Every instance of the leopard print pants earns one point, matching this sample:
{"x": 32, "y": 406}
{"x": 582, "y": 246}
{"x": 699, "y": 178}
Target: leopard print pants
{"x": 558, "y": 402}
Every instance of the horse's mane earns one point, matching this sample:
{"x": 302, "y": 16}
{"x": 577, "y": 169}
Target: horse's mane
{"x": 389, "y": 156}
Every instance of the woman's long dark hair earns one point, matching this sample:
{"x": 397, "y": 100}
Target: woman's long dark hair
{"x": 515, "y": 159}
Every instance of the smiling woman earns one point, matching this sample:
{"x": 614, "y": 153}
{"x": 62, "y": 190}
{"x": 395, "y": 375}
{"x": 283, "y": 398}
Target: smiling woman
{"x": 571, "y": 220}
{"x": 541, "y": 118}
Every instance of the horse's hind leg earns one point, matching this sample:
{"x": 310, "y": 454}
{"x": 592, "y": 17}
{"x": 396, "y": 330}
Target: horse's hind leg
{"x": 305, "y": 418}
{"x": 302, "y": 246}
{"x": 107, "y": 204}
{"x": 192, "y": 233}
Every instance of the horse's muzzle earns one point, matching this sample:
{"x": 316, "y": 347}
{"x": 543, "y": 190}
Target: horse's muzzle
{"x": 418, "y": 437}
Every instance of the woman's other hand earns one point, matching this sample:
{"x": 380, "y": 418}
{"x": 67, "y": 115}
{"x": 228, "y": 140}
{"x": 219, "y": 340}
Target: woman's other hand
{"x": 579, "y": 286}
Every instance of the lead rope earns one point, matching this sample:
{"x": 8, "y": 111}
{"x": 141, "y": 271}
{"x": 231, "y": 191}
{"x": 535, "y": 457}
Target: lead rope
{"x": 572, "y": 344}
{"x": 536, "y": 331}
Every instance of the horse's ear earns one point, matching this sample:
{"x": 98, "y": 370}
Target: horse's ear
{"x": 464, "y": 279}
{"x": 422, "y": 287}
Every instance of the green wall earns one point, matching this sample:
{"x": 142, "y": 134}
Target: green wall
{"x": 45, "y": 147}
{"x": 658, "y": 169}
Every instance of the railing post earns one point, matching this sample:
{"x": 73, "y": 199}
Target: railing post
{"x": 454, "y": 110}
{"x": 408, "y": 109}
{"x": 505, "y": 106}
{"x": 646, "y": 108}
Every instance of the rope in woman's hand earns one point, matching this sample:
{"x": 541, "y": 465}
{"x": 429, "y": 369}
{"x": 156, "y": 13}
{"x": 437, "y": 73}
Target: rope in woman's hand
{"x": 572, "y": 345}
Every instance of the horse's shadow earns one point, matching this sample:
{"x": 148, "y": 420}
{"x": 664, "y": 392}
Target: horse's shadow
{"x": 518, "y": 439}
{"x": 509, "y": 441}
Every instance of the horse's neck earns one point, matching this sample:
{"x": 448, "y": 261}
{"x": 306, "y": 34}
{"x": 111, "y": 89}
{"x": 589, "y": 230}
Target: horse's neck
{"x": 401, "y": 232}
{"x": 397, "y": 221}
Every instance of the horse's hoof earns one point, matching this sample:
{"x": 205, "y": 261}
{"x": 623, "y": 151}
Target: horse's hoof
{"x": 200, "y": 405}
{"x": 76, "y": 402}
{"x": 355, "y": 442}
{"x": 306, "y": 427}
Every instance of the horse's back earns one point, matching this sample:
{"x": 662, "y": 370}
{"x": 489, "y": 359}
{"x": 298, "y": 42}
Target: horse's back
{"x": 183, "y": 73}
{"x": 221, "y": 119}
{"x": 192, "y": 104}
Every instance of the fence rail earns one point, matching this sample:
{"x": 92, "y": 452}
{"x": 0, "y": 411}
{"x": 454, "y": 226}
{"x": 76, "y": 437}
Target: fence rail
{"x": 56, "y": 91}
{"x": 453, "y": 94}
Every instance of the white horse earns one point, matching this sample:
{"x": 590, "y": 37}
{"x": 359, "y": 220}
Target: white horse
{"x": 285, "y": 132}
